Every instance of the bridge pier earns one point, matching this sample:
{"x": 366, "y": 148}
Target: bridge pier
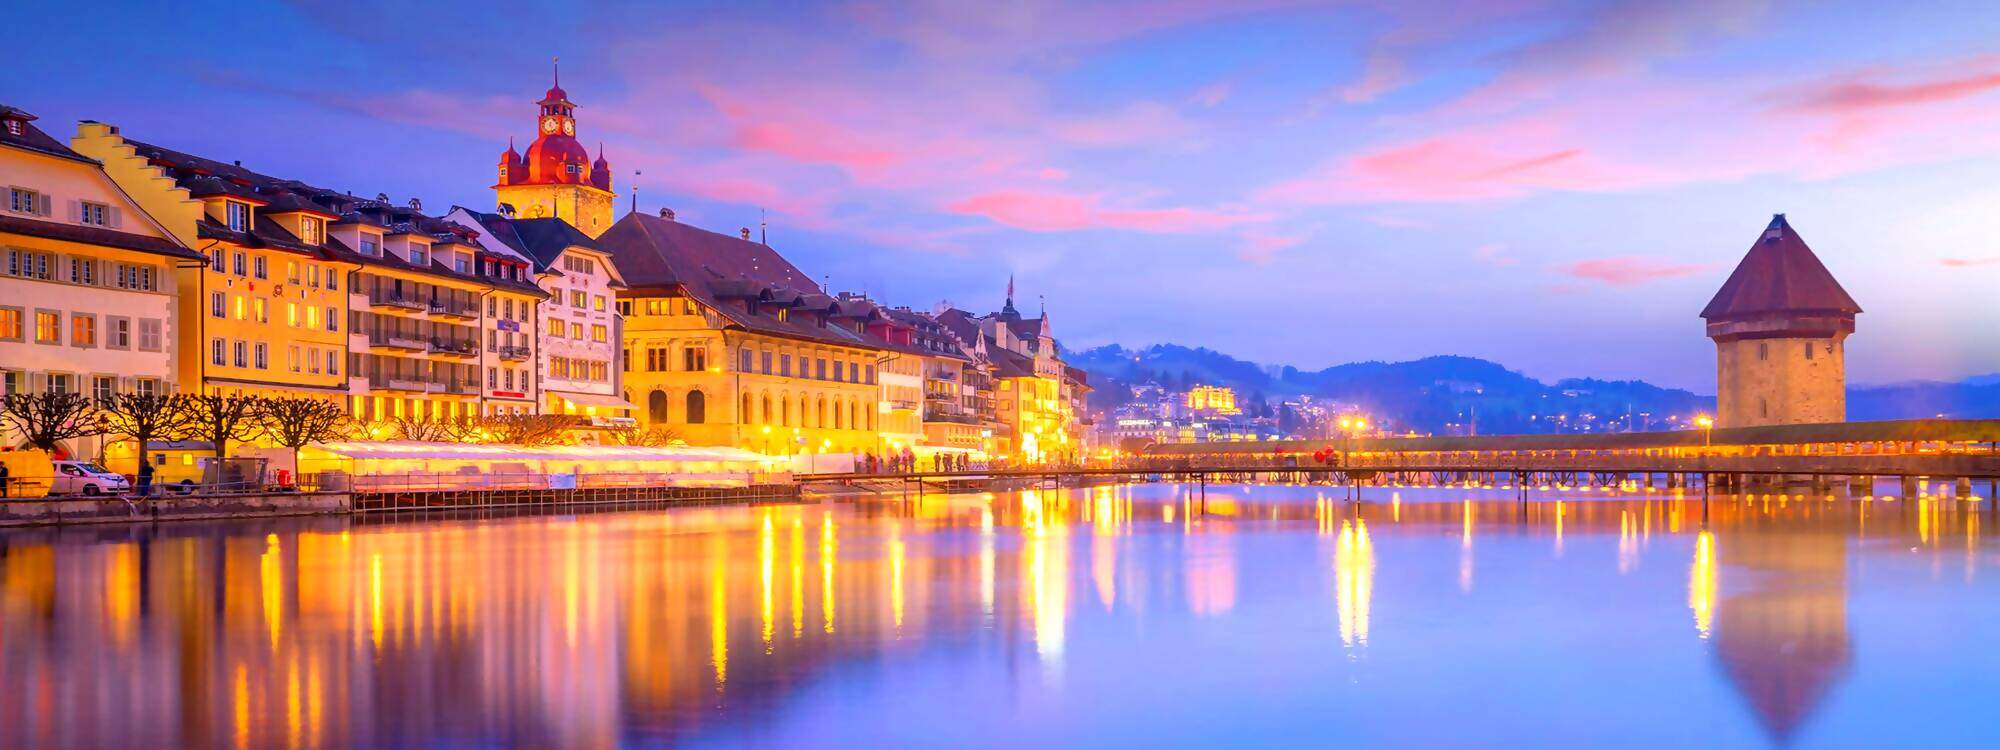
{"x": 1908, "y": 487}
{"x": 1962, "y": 488}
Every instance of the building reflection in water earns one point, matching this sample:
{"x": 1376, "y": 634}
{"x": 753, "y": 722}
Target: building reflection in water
{"x": 610, "y": 628}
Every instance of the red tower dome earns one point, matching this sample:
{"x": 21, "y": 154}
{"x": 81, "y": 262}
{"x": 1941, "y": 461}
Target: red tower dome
{"x": 556, "y": 157}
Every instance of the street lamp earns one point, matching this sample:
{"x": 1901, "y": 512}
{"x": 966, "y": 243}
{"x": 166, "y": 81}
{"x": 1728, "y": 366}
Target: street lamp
{"x": 1706, "y": 423}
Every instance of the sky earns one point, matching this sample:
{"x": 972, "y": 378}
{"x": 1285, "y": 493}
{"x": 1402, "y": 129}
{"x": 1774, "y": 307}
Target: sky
{"x": 1557, "y": 186}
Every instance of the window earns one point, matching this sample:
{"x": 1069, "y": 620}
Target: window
{"x": 237, "y": 264}
{"x": 25, "y": 201}
{"x": 493, "y": 378}
{"x": 461, "y": 263}
{"x": 82, "y": 271}
{"x": 262, "y": 315}
{"x": 29, "y": 265}
{"x": 697, "y": 407}
{"x": 578, "y": 299}
{"x": 332, "y": 279}
{"x": 10, "y": 381}
{"x": 492, "y": 307}
{"x": 240, "y": 307}
{"x": 242, "y": 350}
{"x": 83, "y": 330}
{"x": 216, "y": 355}
{"x": 656, "y": 405}
{"x": 312, "y": 275}
{"x": 1763, "y": 351}
{"x": 218, "y": 305}
{"x": 556, "y": 328}
{"x": 785, "y": 365}
{"x": 819, "y": 369}
{"x": 695, "y": 358}
{"x": 118, "y": 333}
{"x": 216, "y": 262}
{"x": 743, "y": 360}
{"x": 59, "y": 383}
{"x": 371, "y": 245}
{"x": 291, "y": 272}
{"x": 332, "y": 319}
{"x": 103, "y": 387}
{"x": 258, "y": 268}
{"x": 149, "y": 334}
{"x": 420, "y": 256}
{"x": 292, "y": 360}
{"x": 576, "y": 331}
{"x": 597, "y": 303}
{"x": 767, "y": 363}
{"x": 48, "y": 327}
{"x": 312, "y": 230}
{"x": 238, "y": 215}
{"x": 333, "y": 361}
{"x": 10, "y": 324}
{"x": 146, "y": 386}
{"x": 94, "y": 214}
{"x": 263, "y": 357}
{"x": 600, "y": 333}
{"x": 1809, "y": 350}
{"x": 292, "y": 314}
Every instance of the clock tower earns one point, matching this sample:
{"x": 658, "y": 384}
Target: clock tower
{"x": 557, "y": 177}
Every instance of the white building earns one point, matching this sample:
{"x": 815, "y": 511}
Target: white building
{"x": 87, "y": 293}
{"x": 577, "y": 329}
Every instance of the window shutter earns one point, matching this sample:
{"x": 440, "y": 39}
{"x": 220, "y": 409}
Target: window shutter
{"x": 75, "y": 211}
{"x": 48, "y": 205}
{"x": 117, "y": 218}
{"x": 38, "y": 382}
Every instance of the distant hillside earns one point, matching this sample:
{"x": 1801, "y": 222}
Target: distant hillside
{"x": 1449, "y": 393}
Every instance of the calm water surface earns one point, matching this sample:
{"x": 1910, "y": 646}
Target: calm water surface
{"x": 1079, "y": 618}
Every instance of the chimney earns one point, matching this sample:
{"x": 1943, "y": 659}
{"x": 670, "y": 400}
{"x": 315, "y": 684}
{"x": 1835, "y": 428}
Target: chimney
{"x": 666, "y": 213}
{"x": 746, "y": 234}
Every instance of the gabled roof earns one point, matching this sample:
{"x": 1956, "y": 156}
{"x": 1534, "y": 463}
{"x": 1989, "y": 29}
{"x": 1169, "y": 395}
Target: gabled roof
{"x": 745, "y": 282}
{"x": 55, "y": 230}
{"x": 543, "y": 239}
{"x": 33, "y": 139}
{"x": 1779, "y": 275}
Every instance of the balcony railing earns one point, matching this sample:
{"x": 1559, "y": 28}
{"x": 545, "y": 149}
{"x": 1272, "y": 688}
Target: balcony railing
{"x": 398, "y": 341}
{"x": 902, "y": 405}
{"x": 450, "y": 310}
{"x": 945, "y": 416}
{"x": 462, "y": 387}
{"x": 397, "y": 301}
{"x": 515, "y": 353}
{"x": 454, "y": 347}
{"x": 401, "y": 384}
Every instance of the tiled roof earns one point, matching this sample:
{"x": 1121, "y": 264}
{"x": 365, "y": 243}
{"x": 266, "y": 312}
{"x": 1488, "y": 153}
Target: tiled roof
{"x": 96, "y": 236}
{"x": 1779, "y": 275}
{"x": 203, "y": 176}
{"x": 543, "y": 239}
{"x": 32, "y": 138}
{"x": 743, "y": 281}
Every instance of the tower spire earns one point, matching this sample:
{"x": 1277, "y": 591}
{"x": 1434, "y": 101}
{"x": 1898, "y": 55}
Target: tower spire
{"x": 555, "y": 64}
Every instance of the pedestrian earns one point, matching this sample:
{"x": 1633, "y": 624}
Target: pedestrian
{"x": 145, "y": 477}
{"x": 4, "y": 474}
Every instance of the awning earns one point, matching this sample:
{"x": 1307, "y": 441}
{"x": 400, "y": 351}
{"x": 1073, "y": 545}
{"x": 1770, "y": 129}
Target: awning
{"x": 593, "y": 399}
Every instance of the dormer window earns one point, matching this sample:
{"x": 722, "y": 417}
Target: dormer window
{"x": 419, "y": 256}
{"x": 462, "y": 263}
{"x": 312, "y": 230}
{"x": 238, "y": 215}
{"x": 371, "y": 245}
{"x": 14, "y": 127}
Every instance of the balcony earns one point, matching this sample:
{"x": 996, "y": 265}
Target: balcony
{"x": 952, "y": 417}
{"x": 397, "y": 302}
{"x": 400, "y": 384}
{"x": 397, "y": 341}
{"x": 457, "y": 387}
{"x": 450, "y": 310}
{"x": 454, "y": 347}
{"x": 515, "y": 353}
{"x": 901, "y": 405}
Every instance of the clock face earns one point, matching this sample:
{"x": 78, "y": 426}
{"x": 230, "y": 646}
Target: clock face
{"x": 549, "y": 125}
{"x": 569, "y": 128}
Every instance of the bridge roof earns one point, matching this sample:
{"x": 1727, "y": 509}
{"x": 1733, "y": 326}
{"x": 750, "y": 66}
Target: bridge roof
{"x": 1779, "y": 275}
{"x": 1921, "y": 430}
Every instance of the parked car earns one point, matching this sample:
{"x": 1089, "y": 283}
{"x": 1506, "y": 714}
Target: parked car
{"x": 84, "y": 477}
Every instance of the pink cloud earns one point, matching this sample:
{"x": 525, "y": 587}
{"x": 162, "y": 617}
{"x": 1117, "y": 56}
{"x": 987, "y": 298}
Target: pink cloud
{"x": 1859, "y": 94}
{"x": 1500, "y": 161}
{"x": 1381, "y": 74}
{"x": 1213, "y": 94}
{"x": 1259, "y": 248}
{"x": 1136, "y": 124}
{"x": 1629, "y": 270}
{"x": 1061, "y": 212}
{"x": 1989, "y": 260}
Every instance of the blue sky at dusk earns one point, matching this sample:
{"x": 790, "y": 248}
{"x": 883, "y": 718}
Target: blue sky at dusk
{"x": 1558, "y": 186}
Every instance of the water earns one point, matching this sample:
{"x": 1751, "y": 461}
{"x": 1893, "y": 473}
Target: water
{"x": 1118, "y": 617}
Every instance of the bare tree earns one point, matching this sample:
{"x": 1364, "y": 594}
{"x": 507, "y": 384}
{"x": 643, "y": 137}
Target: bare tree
{"x": 296, "y": 422}
{"x": 524, "y": 429}
{"x": 220, "y": 419}
{"x": 653, "y": 437}
{"x": 145, "y": 418}
{"x": 424, "y": 429}
{"x": 46, "y": 419}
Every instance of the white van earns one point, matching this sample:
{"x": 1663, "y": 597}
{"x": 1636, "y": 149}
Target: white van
{"x": 84, "y": 477}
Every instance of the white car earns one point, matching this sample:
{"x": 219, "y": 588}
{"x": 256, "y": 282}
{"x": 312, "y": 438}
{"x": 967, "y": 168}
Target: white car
{"x": 84, "y": 477}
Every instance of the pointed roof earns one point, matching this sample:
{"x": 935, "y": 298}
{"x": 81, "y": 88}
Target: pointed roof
{"x": 1779, "y": 275}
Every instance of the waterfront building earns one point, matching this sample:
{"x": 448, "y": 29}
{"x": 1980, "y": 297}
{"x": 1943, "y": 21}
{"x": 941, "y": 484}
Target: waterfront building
{"x": 1037, "y": 397}
{"x": 88, "y": 299}
{"x": 394, "y": 321}
{"x": 950, "y": 410}
{"x": 557, "y": 178}
{"x": 266, "y": 314}
{"x": 576, "y": 331}
{"x": 1780, "y": 326}
{"x": 727, "y": 343}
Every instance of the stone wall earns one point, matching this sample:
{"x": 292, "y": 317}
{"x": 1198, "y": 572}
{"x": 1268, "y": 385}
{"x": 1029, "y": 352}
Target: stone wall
{"x": 1773, "y": 381}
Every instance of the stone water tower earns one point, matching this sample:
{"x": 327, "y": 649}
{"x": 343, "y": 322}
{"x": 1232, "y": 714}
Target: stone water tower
{"x": 1780, "y": 325}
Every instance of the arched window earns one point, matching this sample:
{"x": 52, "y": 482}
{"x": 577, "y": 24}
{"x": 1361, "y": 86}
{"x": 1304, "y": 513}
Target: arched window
{"x": 656, "y": 405}
{"x": 743, "y": 415}
{"x": 839, "y": 417}
{"x": 855, "y": 420}
{"x": 767, "y": 411}
{"x": 697, "y": 407}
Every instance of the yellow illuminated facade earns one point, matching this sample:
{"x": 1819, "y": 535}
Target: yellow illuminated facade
{"x": 1214, "y": 399}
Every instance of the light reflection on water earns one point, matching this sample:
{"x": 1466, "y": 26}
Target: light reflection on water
{"x": 1115, "y": 615}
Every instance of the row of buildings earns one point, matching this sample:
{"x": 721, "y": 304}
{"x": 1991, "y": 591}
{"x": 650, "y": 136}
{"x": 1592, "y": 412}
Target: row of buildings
{"x": 132, "y": 266}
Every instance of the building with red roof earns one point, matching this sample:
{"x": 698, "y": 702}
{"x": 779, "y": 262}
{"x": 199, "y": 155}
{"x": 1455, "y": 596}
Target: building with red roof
{"x": 1780, "y": 324}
